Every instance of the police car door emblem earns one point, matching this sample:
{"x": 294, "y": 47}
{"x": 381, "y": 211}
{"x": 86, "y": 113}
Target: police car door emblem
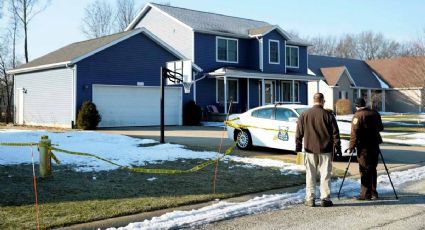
{"x": 283, "y": 133}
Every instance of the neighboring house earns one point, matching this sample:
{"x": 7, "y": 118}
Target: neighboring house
{"x": 345, "y": 78}
{"x": 406, "y": 77}
{"x": 120, "y": 73}
{"x": 245, "y": 61}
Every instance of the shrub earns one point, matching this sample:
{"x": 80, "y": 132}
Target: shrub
{"x": 192, "y": 114}
{"x": 343, "y": 107}
{"x": 88, "y": 117}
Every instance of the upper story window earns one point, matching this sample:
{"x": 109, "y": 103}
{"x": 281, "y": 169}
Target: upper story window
{"x": 274, "y": 52}
{"x": 227, "y": 50}
{"x": 292, "y": 56}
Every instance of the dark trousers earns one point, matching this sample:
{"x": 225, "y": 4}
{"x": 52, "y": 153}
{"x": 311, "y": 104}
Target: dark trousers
{"x": 368, "y": 160}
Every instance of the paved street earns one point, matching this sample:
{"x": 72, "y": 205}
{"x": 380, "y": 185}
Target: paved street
{"x": 406, "y": 213}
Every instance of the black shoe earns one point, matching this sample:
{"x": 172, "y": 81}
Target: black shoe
{"x": 310, "y": 203}
{"x": 326, "y": 203}
{"x": 363, "y": 198}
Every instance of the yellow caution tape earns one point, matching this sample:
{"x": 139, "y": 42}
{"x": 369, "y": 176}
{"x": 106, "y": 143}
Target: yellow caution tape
{"x": 148, "y": 170}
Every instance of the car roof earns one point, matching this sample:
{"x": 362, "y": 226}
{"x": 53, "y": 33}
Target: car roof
{"x": 288, "y": 106}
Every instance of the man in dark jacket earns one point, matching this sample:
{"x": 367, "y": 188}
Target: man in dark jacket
{"x": 365, "y": 136}
{"x": 320, "y": 132}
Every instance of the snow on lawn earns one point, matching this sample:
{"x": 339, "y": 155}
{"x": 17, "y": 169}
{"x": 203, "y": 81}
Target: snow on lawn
{"x": 225, "y": 210}
{"x": 118, "y": 148}
{"x": 417, "y": 139}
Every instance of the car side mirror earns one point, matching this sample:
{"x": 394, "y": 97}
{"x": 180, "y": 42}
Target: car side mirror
{"x": 293, "y": 119}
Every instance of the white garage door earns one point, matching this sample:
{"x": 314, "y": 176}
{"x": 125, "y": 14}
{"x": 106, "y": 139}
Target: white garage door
{"x": 136, "y": 105}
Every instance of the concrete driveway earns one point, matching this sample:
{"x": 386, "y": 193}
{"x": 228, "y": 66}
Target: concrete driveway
{"x": 202, "y": 138}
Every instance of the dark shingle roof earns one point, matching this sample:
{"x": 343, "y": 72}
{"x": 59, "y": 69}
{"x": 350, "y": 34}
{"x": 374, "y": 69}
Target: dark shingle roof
{"x": 360, "y": 72}
{"x": 74, "y": 50}
{"x": 212, "y": 22}
{"x": 404, "y": 72}
{"x": 219, "y": 23}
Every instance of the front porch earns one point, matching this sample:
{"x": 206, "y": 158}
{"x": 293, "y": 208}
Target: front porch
{"x": 248, "y": 89}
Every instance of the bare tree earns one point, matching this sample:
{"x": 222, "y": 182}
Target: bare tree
{"x": 347, "y": 47}
{"x": 25, "y": 11}
{"x": 126, "y": 12}
{"x": 322, "y": 45}
{"x": 98, "y": 19}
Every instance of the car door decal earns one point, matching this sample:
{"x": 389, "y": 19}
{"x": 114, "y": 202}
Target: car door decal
{"x": 282, "y": 134}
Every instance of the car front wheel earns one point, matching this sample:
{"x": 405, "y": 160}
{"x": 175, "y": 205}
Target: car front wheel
{"x": 243, "y": 139}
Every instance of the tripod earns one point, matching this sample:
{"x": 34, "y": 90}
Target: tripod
{"x": 386, "y": 169}
{"x": 345, "y": 174}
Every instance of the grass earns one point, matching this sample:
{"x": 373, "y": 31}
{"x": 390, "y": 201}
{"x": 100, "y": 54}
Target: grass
{"x": 75, "y": 197}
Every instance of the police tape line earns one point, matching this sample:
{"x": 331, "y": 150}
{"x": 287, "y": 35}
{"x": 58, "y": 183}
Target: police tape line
{"x": 133, "y": 169}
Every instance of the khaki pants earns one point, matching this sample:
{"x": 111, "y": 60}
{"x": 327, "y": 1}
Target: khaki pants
{"x": 322, "y": 163}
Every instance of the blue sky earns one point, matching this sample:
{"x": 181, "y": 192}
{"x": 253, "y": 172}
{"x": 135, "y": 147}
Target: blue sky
{"x": 60, "y": 23}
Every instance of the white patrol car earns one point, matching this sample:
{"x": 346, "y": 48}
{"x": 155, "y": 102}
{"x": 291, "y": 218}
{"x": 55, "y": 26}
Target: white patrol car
{"x": 270, "y": 126}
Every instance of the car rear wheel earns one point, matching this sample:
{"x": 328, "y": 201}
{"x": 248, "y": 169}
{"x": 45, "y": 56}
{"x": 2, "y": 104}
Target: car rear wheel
{"x": 243, "y": 139}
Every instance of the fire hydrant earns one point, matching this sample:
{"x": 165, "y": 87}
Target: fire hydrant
{"x": 45, "y": 158}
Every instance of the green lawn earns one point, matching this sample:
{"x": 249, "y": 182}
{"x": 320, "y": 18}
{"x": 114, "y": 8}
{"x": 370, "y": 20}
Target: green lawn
{"x": 75, "y": 197}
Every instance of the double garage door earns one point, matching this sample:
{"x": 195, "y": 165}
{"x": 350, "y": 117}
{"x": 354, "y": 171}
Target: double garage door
{"x": 136, "y": 105}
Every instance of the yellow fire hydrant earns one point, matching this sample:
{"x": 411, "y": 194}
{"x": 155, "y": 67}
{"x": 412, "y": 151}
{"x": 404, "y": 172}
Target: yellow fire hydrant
{"x": 45, "y": 158}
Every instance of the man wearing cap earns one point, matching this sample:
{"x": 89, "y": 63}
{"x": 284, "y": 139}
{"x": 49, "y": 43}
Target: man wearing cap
{"x": 365, "y": 136}
{"x": 320, "y": 132}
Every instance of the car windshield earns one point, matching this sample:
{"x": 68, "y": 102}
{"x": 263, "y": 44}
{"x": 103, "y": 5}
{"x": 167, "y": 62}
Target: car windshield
{"x": 301, "y": 110}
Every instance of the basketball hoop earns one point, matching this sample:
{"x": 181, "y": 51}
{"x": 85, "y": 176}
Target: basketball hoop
{"x": 187, "y": 85}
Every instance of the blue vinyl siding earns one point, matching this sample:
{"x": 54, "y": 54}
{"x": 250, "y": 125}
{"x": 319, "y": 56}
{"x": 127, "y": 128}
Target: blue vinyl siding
{"x": 137, "y": 59}
{"x": 205, "y": 53}
{"x": 274, "y": 68}
{"x": 302, "y": 69}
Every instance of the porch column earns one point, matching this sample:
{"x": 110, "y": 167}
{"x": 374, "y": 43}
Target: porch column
{"x": 247, "y": 93}
{"x": 318, "y": 87}
{"x": 359, "y": 91}
{"x": 383, "y": 100}
{"x": 369, "y": 97}
{"x": 263, "y": 92}
{"x": 225, "y": 93}
{"x": 293, "y": 91}
{"x": 194, "y": 91}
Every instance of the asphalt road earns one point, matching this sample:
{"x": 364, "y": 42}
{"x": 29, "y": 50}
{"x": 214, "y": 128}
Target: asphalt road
{"x": 406, "y": 213}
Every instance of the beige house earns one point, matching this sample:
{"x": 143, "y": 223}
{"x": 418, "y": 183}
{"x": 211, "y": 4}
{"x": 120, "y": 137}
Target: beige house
{"x": 346, "y": 79}
{"x": 406, "y": 78}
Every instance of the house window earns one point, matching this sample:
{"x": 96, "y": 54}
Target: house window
{"x": 227, "y": 50}
{"x": 286, "y": 91}
{"x": 274, "y": 52}
{"x": 343, "y": 95}
{"x": 232, "y": 90}
{"x": 292, "y": 56}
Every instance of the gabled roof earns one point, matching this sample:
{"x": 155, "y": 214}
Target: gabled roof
{"x": 404, "y": 72}
{"x": 332, "y": 74}
{"x": 206, "y": 22}
{"x": 359, "y": 71}
{"x": 78, "y": 51}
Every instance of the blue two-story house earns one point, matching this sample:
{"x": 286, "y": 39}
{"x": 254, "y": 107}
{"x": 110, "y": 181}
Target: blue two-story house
{"x": 248, "y": 62}
{"x": 243, "y": 61}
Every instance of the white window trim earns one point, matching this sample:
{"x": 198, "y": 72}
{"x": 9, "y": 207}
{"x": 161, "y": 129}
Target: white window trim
{"x": 237, "y": 89}
{"x": 216, "y": 50}
{"x": 278, "y": 52}
{"x": 297, "y": 84}
{"x": 298, "y": 57}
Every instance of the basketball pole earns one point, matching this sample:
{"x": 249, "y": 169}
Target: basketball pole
{"x": 163, "y": 77}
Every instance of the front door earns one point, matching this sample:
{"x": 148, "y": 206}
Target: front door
{"x": 269, "y": 92}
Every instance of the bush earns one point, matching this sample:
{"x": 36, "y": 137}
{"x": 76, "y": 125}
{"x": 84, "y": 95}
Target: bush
{"x": 192, "y": 114}
{"x": 88, "y": 117}
{"x": 343, "y": 107}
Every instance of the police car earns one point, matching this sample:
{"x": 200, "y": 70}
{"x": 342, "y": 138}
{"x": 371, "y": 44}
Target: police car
{"x": 271, "y": 126}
